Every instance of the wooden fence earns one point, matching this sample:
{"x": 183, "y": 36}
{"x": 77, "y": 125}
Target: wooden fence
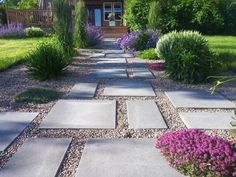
{"x": 36, "y": 17}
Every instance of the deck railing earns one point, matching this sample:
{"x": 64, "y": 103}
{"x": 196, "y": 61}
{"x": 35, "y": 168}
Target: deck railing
{"x": 36, "y": 17}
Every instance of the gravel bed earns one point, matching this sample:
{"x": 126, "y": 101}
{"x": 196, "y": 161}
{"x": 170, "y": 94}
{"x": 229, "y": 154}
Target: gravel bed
{"x": 77, "y": 72}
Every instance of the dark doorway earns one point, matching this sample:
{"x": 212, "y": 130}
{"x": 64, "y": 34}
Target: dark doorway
{"x": 95, "y": 15}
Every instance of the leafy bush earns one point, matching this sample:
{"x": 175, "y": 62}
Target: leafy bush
{"x": 63, "y": 25}
{"x": 196, "y": 154}
{"x": 149, "y": 54}
{"x": 13, "y": 30}
{"x": 136, "y": 14}
{"x": 95, "y": 35}
{"x": 34, "y": 32}
{"x": 208, "y": 17}
{"x": 187, "y": 56}
{"x": 80, "y": 33}
{"x": 47, "y": 61}
{"x": 38, "y": 96}
{"x": 138, "y": 40}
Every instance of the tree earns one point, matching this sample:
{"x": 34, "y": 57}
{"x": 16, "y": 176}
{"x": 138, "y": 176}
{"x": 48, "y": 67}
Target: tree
{"x": 137, "y": 14}
{"x": 80, "y": 34}
{"x": 27, "y": 4}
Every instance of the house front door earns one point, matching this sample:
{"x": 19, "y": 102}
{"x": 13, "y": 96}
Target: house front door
{"x": 95, "y": 15}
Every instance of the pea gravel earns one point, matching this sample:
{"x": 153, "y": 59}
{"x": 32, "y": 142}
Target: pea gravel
{"x": 15, "y": 80}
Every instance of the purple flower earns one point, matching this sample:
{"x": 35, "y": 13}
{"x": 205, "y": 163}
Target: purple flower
{"x": 12, "y": 30}
{"x": 128, "y": 40}
{"x": 95, "y": 35}
{"x": 194, "y": 152}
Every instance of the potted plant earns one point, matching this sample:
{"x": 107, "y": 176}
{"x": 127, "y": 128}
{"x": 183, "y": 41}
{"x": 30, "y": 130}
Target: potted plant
{"x": 111, "y": 18}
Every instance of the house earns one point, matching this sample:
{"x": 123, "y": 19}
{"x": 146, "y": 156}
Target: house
{"x": 107, "y": 14}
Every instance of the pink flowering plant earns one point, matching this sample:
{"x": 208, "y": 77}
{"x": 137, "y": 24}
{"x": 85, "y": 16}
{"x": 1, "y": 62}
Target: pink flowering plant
{"x": 196, "y": 154}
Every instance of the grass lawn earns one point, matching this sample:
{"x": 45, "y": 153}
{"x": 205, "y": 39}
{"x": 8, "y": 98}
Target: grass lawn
{"x": 13, "y": 51}
{"x": 225, "y": 46}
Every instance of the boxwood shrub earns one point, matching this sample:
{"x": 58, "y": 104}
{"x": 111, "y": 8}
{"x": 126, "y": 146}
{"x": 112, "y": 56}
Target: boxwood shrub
{"x": 34, "y": 32}
{"x": 187, "y": 56}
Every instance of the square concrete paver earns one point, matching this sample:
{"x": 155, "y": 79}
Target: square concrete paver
{"x": 111, "y": 63}
{"x": 144, "y": 114}
{"x": 198, "y": 99}
{"x": 123, "y": 158}
{"x": 230, "y": 95}
{"x": 81, "y": 114}
{"x": 113, "y": 51}
{"x": 108, "y": 73}
{"x": 128, "y": 88}
{"x": 39, "y": 157}
{"x": 124, "y": 55}
{"x": 207, "y": 120}
{"x": 11, "y": 125}
{"x": 142, "y": 73}
{"x": 138, "y": 63}
{"x": 83, "y": 90}
{"x": 97, "y": 55}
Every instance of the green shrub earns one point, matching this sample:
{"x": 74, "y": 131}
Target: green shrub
{"x": 80, "y": 34}
{"x": 63, "y": 25}
{"x": 38, "y": 96}
{"x": 187, "y": 56}
{"x": 136, "y": 14}
{"x": 34, "y": 32}
{"x": 149, "y": 54}
{"x": 47, "y": 61}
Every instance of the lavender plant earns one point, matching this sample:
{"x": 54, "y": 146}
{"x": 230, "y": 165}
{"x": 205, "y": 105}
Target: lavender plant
{"x": 13, "y": 30}
{"x": 94, "y": 35}
{"x": 138, "y": 40}
{"x": 196, "y": 154}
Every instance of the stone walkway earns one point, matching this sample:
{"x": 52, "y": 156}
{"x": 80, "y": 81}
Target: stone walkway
{"x": 79, "y": 109}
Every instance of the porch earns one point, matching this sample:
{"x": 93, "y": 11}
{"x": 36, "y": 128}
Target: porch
{"x": 107, "y": 14}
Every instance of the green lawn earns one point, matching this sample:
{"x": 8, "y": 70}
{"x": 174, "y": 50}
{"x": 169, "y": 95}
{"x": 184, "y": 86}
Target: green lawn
{"x": 13, "y": 51}
{"x": 225, "y": 46}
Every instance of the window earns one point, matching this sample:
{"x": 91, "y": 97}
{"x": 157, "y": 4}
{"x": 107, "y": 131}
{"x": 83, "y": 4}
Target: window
{"x": 115, "y": 8}
{"x": 107, "y": 10}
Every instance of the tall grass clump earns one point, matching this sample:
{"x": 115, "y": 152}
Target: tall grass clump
{"x": 63, "y": 25}
{"x": 80, "y": 34}
{"x": 187, "y": 56}
{"x": 153, "y": 15}
{"x": 48, "y": 61}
